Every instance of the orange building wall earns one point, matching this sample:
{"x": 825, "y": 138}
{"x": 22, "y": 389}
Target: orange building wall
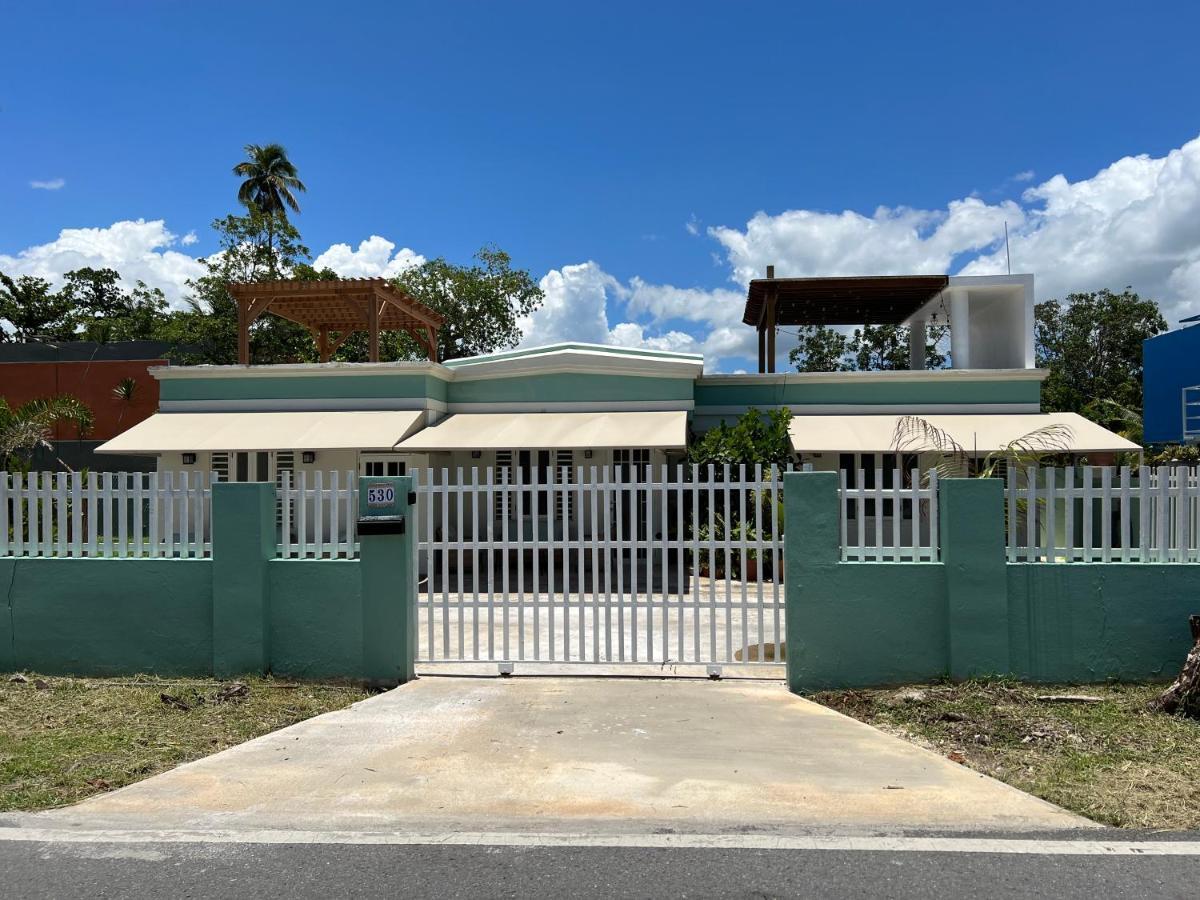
{"x": 93, "y": 383}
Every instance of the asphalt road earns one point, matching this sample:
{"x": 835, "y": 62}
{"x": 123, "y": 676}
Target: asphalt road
{"x": 35, "y": 869}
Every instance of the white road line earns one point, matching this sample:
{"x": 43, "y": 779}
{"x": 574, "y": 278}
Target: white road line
{"x": 650, "y": 841}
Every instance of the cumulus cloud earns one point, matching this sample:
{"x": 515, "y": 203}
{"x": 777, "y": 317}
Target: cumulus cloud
{"x": 374, "y": 258}
{"x": 52, "y": 184}
{"x": 137, "y": 249}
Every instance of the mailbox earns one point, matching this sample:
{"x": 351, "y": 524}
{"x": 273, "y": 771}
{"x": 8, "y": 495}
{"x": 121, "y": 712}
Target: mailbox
{"x": 379, "y": 509}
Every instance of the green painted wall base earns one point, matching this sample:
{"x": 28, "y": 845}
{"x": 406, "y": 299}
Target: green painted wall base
{"x": 974, "y": 614}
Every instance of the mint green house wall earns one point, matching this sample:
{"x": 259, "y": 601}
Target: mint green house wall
{"x": 872, "y": 392}
{"x": 569, "y": 387}
{"x": 242, "y": 611}
{"x": 317, "y": 387}
{"x": 852, "y": 624}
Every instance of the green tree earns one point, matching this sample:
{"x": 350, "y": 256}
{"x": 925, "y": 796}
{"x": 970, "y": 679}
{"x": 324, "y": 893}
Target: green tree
{"x": 482, "y": 303}
{"x": 29, "y": 427}
{"x": 821, "y": 349}
{"x": 110, "y": 313}
{"x": 1092, "y": 345}
{"x": 753, "y": 438}
{"x": 255, "y": 247}
{"x": 870, "y": 348}
{"x": 34, "y": 312}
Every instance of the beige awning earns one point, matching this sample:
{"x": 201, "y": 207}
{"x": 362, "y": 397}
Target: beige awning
{"x": 341, "y": 430}
{"x": 534, "y": 431}
{"x": 980, "y": 433}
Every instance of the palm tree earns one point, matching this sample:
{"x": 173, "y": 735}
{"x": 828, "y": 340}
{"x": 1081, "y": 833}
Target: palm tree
{"x": 270, "y": 179}
{"x": 27, "y": 428}
{"x": 916, "y": 435}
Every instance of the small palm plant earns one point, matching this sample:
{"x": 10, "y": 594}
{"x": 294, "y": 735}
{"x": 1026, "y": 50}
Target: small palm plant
{"x": 914, "y": 434}
{"x": 28, "y": 427}
{"x": 125, "y": 392}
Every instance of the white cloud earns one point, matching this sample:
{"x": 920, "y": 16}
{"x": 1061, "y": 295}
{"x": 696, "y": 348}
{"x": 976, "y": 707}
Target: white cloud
{"x": 1135, "y": 222}
{"x": 1027, "y": 175}
{"x": 692, "y": 225}
{"x": 188, "y": 239}
{"x": 575, "y": 307}
{"x": 52, "y": 184}
{"x": 373, "y": 259}
{"x": 136, "y": 249}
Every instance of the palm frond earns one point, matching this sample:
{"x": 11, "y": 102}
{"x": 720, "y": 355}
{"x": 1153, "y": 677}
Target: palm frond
{"x": 914, "y": 434}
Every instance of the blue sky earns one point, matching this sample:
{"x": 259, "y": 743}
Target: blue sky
{"x": 623, "y": 151}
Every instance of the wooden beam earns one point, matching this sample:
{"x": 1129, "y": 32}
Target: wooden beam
{"x": 243, "y": 334}
{"x": 373, "y": 331}
{"x": 433, "y": 347}
{"x": 771, "y": 301}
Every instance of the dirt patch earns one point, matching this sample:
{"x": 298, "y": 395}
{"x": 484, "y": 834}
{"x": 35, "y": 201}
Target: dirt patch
{"x": 1111, "y": 760}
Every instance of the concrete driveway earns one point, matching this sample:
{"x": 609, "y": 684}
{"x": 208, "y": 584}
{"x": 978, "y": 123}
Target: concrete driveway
{"x": 595, "y": 755}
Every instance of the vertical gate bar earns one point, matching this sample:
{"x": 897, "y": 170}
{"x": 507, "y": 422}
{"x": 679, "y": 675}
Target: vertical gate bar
{"x": 302, "y": 513}
{"x": 581, "y": 560}
{"x": 185, "y": 485}
{"x": 619, "y": 512}
{"x": 551, "y": 581}
{"x": 712, "y": 565}
{"x": 860, "y": 514}
{"x": 878, "y": 514}
{"x": 106, "y": 487}
{"x": 319, "y": 516}
{"x": 680, "y": 546}
{"x": 475, "y": 566}
{"x": 490, "y": 535}
{"x": 607, "y": 510}
{"x": 1160, "y": 514}
{"x": 593, "y": 510}
{"x": 505, "y": 610}
{"x": 648, "y": 497}
{"x": 535, "y": 534}
{"x": 18, "y": 513}
{"x": 446, "y": 550}
{"x": 5, "y": 494}
{"x": 564, "y": 501}
{"x": 776, "y": 555}
{"x": 337, "y": 546}
{"x": 425, "y": 484}
{"x": 727, "y": 540}
{"x": 460, "y": 549}
{"x": 285, "y": 513}
{"x": 759, "y": 556}
{"x": 742, "y": 554}
{"x": 632, "y": 504}
{"x": 155, "y": 547}
{"x": 1126, "y": 532}
{"x": 694, "y": 528}
{"x": 520, "y": 526}
{"x": 77, "y": 514}
{"x": 665, "y": 561}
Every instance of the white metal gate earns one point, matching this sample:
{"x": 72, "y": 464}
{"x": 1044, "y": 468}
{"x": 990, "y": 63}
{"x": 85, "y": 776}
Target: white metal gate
{"x": 601, "y": 566}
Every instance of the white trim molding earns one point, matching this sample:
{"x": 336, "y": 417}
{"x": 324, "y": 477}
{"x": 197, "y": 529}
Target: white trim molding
{"x": 581, "y": 406}
{"x": 304, "y": 404}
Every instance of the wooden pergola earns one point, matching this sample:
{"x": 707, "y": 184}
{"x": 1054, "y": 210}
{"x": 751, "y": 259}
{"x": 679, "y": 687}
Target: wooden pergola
{"x": 333, "y": 310}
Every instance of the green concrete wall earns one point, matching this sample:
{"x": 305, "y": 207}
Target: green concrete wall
{"x": 242, "y": 611}
{"x": 853, "y": 624}
{"x": 316, "y": 618}
{"x": 107, "y": 616}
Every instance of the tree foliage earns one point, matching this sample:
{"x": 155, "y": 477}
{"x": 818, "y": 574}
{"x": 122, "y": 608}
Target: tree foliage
{"x": 270, "y": 180}
{"x": 753, "y": 438}
{"x": 869, "y": 348}
{"x": 482, "y": 303}
{"x": 32, "y": 311}
{"x": 1092, "y": 345}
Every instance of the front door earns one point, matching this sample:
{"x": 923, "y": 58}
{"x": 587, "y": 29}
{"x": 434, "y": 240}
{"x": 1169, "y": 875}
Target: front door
{"x": 251, "y": 466}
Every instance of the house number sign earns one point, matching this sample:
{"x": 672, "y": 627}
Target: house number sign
{"x": 381, "y": 495}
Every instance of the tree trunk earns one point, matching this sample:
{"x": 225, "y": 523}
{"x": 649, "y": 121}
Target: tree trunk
{"x": 1183, "y": 696}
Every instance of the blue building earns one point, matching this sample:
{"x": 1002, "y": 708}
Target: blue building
{"x": 1171, "y": 383}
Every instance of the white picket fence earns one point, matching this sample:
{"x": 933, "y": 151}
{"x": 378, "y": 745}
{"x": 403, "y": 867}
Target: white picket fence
{"x": 1103, "y": 514}
{"x": 105, "y": 514}
{"x": 893, "y": 523}
{"x": 317, "y": 516}
{"x": 600, "y": 565}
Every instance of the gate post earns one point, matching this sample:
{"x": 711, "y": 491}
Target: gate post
{"x": 386, "y": 531}
{"x": 812, "y": 553}
{"x": 971, "y": 520}
{"x": 243, "y": 539}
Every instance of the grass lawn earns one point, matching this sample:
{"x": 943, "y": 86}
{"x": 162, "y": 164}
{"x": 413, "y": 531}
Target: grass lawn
{"x": 1113, "y": 761}
{"x": 63, "y": 739}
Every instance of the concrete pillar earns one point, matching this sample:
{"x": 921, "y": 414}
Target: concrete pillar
{"x": 960, "y": 331}
{"x": 243, "y": 539}
{"x": 812, "y": 551}
{"x": 971, "y": 526}
{"x": 389, "y": 608}
{"x": 916, "y": 345}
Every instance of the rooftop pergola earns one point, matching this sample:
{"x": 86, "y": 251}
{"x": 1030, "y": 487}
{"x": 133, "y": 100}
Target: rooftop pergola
{"x": 333, "y": 310}
{"x": 855, "y": 300}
